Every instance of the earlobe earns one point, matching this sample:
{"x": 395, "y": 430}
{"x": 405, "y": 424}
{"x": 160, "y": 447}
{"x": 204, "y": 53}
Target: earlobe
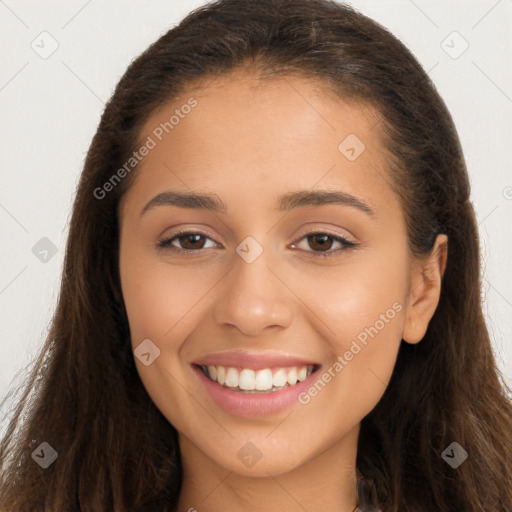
{"x": 425, "y": 290}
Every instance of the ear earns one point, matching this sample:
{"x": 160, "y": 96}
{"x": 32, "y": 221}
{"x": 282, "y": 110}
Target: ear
{"x": 425, "y": 290}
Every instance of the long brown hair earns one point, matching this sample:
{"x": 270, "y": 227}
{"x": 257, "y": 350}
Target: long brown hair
{"x": 84, "y": 397}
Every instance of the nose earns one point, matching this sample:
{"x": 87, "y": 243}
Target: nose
{"x": 254, "y": 297}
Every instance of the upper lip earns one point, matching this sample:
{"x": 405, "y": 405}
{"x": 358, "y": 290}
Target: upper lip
{"x": 253, "y": 360}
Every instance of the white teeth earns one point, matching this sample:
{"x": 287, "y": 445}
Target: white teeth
{"x": 263, "y": 379}
{"x": 213, "y": 372}
{"x": 292, "y": 377}
{"x": 221, "y": 375}
{"x": 232, "y": 378}
{"x": 251, "y": 381}
{"x": 279, "y": 378}
{"x": 246, "y": 379}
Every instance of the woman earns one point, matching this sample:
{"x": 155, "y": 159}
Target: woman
{"x": 204, "y": 353}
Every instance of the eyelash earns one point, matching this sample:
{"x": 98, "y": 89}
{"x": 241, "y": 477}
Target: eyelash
{"x": 166, "y": 243}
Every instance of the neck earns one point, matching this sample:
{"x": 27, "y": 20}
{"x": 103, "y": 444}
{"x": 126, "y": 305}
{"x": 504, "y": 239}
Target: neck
{"x": 326, "y": 482}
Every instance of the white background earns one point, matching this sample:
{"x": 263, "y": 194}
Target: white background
{"x": 50, "y": 109}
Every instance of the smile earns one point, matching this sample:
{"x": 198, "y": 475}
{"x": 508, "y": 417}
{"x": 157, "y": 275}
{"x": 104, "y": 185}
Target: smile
{"x": 266, "y": 380}
{"x": 251, "y": 383}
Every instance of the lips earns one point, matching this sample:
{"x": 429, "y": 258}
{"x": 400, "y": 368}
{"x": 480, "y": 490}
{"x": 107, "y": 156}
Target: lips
{"x": 242, "y": 383}
{"x": 254, "y": 360}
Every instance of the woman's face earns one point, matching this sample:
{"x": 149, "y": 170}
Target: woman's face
{"x": 254, "y": 289}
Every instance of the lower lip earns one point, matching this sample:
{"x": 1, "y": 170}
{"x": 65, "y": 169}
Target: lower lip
{"x": 248, "y": 405}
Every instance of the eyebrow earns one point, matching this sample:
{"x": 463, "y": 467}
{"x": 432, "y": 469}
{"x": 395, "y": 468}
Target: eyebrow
{"x": 286, "y": 202}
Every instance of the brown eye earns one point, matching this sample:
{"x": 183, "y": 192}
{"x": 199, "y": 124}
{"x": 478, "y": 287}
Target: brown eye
{"x": 320, "y": 241}
{"x": 184, "y": 241}
{"x": 190, "y": 241}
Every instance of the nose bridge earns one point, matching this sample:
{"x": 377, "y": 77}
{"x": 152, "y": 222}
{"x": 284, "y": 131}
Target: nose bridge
{"x": 253, "y": 297}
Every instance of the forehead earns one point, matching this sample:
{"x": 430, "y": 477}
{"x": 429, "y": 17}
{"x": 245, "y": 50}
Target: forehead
{"x": 256, "y": 139}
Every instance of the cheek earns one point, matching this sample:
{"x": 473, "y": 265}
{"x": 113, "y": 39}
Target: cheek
{"x": 362, "y": 310}
{"x": 364, "y": 351}
{"x": 160, "y": 298}
{"x": 365, "y": 289}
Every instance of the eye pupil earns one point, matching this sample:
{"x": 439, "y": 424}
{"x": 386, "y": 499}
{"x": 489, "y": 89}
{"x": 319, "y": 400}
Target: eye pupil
{"x": 323, "y": 237}
{"x": 192, "y": 238}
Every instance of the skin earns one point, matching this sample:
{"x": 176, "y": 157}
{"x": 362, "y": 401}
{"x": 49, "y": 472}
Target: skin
{"x": 249, "y": 142}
